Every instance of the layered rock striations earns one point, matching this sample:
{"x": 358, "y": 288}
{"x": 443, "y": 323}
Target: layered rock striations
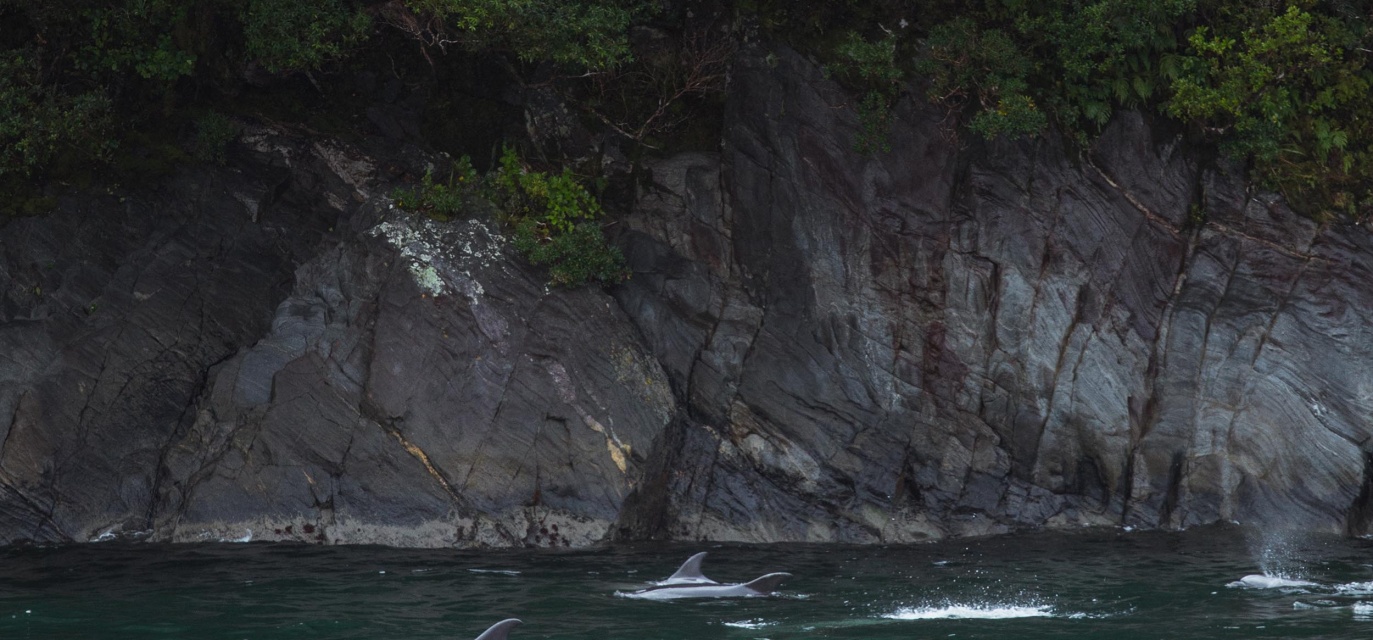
{"x": 959, "y": 337}
{"x": 278, "y": 354}
{"x": 950, "y": 338}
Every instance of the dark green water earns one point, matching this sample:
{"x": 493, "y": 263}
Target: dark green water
{"x": 1110, "y": 585}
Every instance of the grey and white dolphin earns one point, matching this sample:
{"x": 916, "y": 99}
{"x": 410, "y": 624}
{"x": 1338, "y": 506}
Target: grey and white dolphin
{"x": 760, "y": 586}
{"x": 689, "y": 582}
{"x": 500, "y": 630}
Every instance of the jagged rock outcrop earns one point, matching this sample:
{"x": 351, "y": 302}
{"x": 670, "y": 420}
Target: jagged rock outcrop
{"x": 951, "y": 338}
{"x": 278, "y": 355}
{"x": 960, "y": 338}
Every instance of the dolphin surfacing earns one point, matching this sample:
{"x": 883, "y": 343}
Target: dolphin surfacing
{"x": 756, "y": 588}
{"x": 500, "y": 630}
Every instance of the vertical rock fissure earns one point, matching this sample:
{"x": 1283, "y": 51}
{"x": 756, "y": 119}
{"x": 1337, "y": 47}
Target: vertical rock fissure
{"x": 1158, "y": 360}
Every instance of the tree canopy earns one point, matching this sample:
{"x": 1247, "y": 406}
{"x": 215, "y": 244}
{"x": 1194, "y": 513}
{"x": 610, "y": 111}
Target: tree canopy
{"x": 1282, "y": 86}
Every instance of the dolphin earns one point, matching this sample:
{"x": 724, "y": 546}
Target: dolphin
{"x": 500, "y": 630}
{"x": 1256, "y": 581}
{"x": 761, "y": 586}
{"x": 689, "y": 573}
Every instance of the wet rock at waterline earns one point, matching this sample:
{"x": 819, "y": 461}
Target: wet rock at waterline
{"x": 951, "y": 338}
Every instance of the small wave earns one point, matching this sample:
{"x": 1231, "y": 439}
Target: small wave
{"x": 756, "y": 623}
{"x": 504, "y": 572}
{"x": 964, "y": 611}
{"x": 1355, "y": 588}
{"x": 1363, "y": 610}
{"x": 1256, "y": 581}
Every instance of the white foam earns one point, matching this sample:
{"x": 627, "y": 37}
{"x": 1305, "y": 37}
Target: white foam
{"x": 970, "y": 611}
{"x": 1355, "y": 588}
{"x": 1363, "y": 610}
{"x": 504, "y": 572}
{"x": 756, "y": 623}
{"x": 1256, "y": 581}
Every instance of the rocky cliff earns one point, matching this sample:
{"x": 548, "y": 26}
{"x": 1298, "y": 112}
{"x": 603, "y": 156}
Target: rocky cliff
{"x": 951, "y": 338}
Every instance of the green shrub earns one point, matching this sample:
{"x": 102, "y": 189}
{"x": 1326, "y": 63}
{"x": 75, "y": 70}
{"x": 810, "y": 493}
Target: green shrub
{"x": 1290, "y": 92}
{"x": 1014, "y": 114}
{"x": 870, "y": 67}
{"x": 442, "y": 201}
{"x": 136, "y": 36}
{"x": 40, "y": 122}
{"x": 554, "y": 218}
{"x": 971, "y": 66}
{"x": 574, "y": 257}
{"x": 556, "y": 200}
{"x": 1094, "y": 56}
{"x": 213, "y": 133}
{"x": 587, "y": 34}
{"x": 291, "y": 35}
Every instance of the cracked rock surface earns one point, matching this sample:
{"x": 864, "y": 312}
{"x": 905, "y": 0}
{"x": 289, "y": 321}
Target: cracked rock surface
{"x": 959, "y": 337}
{"x": 952, "y": 338}
{"x": 278, "y": 355}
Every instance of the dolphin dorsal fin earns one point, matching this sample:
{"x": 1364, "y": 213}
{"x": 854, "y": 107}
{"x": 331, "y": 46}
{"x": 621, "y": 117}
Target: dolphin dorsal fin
{"x": 691, "y": 570}
{"x": 769, "y": 582}
{"x": 500, "y": 630}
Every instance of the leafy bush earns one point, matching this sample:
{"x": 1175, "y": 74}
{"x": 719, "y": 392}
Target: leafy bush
{"x": 554, "y": 218}
{"x": 40, "y": 122}
{"x": 1290, "y": 92}
{"x": 972, "y": 66}
{"x": 137, "y": 36}
{"x": 557, "y": 200}
{"x": 588, "y": 34}
{"x": 1014, "y": 114}
{"x": 441, "y": 201}
{"x": 574, "y": 257}
{"x": 1097, "y": 55}
{"x": 871, "y": 67}
{"x": 213, "y": 133}
{"x": 290, "y": 35}
{"x": 1286, "y": 87}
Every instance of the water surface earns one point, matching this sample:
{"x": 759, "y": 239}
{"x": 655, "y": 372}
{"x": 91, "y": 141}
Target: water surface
{"x": 1115, "y": 585}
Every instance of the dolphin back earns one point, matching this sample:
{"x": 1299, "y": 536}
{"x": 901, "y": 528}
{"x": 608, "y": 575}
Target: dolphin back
{"x": 690, "y": 570}
{"x": 768, "y": 583}
{"x": 500, "y": 630}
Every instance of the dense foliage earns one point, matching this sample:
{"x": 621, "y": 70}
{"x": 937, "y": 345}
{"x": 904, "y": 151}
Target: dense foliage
{"x": 554, "y": 219}
{"x": 1280, "y": 85}
{"x": 588, "y": 35}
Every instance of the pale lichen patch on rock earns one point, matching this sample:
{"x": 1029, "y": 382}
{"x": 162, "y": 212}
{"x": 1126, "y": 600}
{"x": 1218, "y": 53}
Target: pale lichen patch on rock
{"x": 442, "y": 257}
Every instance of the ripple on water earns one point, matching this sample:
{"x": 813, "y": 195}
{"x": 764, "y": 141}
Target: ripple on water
{"x": 1363, "y": 611}
{"x": 1355, "y": 588}
{"x": 971, "y": 611}
{"x": 755, "y": 623}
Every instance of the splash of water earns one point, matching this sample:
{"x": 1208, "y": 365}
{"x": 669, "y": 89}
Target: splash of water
{"x": 971, "y": 611}
{"x": 1277, "y": 551}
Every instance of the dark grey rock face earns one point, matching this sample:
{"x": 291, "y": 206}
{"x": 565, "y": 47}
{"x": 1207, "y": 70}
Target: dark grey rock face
{"x": 279, "y": 356}
{"x": 958, "y": 337}
{"x": 953, "y": 338}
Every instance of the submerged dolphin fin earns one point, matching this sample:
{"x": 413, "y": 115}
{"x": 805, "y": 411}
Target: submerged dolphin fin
{"x": 769, "y": 582}
{"x": 691, "y": 570}
{"x": 500, "y": 630}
